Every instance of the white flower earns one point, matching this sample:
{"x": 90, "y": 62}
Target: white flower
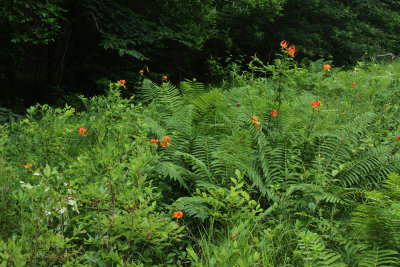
{"x": 25, "y": 185}
{"x": 62, "y": 210}
{"x": 47, "y": 213}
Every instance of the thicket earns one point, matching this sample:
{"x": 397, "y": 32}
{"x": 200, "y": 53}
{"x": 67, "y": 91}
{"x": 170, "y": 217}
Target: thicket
{"x": 52, "y": 50}
{"x": 297, "y": 169}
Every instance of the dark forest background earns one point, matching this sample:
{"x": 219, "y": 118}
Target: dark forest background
{"x": 53, "y": 50}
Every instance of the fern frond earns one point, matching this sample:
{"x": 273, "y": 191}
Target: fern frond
{"x": 193, "y": 206}
{"x": 166, "y": 95}
{"x": 234, "y": 152}
{"x": 378, "y": 257}
{"x": 315, "y": 253}
{"x": 198, "y": 166}
{"x": 180, "y": 125}
{"x": 191, "y": 88}
{"x": 361, "y": 169}
{"x": 175, "y": 172}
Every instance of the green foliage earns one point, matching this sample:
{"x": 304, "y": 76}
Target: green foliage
{"x": 33, "y": 22}
{"x": 261, "y": 177}
{"x": 87, "y": 198}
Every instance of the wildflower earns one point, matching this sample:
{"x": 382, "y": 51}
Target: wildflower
{"x": 274, "y": 113}
{"x": 356, "y": 69}
{"x": 28, "y": 166}
{"x": 141, "y": 72}
{"x": 82, "y": 130}
{"x": 284, "y": 44}
{"x": 354, "y": 85}
{"x": 318, "y": 104}
{"x": 154, "y": 141}
{"x": 165, "y": 141}
{"x": 358, "y": 95}
{"x": 178, "y": 214}
{"x": 313, "y": 105}
{"x": 121, "y": 82}
{"x": 398, "y": 138}
{"x": 291, "y": 50}
{"x": 255, "y": 122}
{"x": 233, "y": 236}
{"x": 147, "y": 68}
{"x": 164, "y": 77}
{"x": 327, "y": 67}
{"x": 238, "y": 104}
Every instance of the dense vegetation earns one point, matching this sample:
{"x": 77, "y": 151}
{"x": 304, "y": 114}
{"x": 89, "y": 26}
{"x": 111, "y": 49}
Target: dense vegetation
{"x": 297, "y": 168}
{"x": 52, "y": 50}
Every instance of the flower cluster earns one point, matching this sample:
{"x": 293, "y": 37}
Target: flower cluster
{"x": 166, "y": 141}
{"x": 274, "y": 113}
{"x": 316, "y": 105}
{"x": 290, "y": 50}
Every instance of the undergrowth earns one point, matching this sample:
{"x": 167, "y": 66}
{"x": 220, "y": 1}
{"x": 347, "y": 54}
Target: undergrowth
{"x": 297, "y": 169}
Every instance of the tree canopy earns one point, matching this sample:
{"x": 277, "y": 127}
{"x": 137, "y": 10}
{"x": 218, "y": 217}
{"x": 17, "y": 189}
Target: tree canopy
{"x": 52, "y": 49}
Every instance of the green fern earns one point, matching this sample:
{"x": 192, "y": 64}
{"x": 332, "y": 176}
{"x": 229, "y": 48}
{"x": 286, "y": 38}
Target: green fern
{"x": 165, "y": 96}
{"x": 193, "y": 206}
{"x": 234, "y": 152}
{"x": 315, "y": 253}
{"x": 377, "y": 257}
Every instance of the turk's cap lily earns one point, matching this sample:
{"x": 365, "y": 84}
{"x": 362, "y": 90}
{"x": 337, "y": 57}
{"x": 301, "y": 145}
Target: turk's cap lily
{"x": 291, "y": 50}
{"x": 284, "y": 44}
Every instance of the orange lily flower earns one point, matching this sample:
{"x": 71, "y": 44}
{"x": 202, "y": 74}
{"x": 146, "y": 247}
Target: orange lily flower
{"x": 284, "y": 44}
{"x": 121, "y": 82}
{"x": 154, "y": 141}
{"x": 354, "y": 85}
{"x": 178, "y": 214}
{"x": 313, "y": 105}
{"x": 255, "y": 122}
{"x": 165, "y": 141}
{"x": 327, "y": 67}
{"x": 318, "y": 104}
{"x": 141, "y": 72}
{"x": 28, "y": 166}
{"x": 398, "y": 138}
{"x": 274, "y": 113}
{"x": 165, "y": 77}
{"x": 82, "y": 130}
{"x": 291, "y": 50}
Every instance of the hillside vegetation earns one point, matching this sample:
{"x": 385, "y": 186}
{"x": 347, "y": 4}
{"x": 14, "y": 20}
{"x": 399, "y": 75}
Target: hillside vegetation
{"x": 281, "y": 166}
